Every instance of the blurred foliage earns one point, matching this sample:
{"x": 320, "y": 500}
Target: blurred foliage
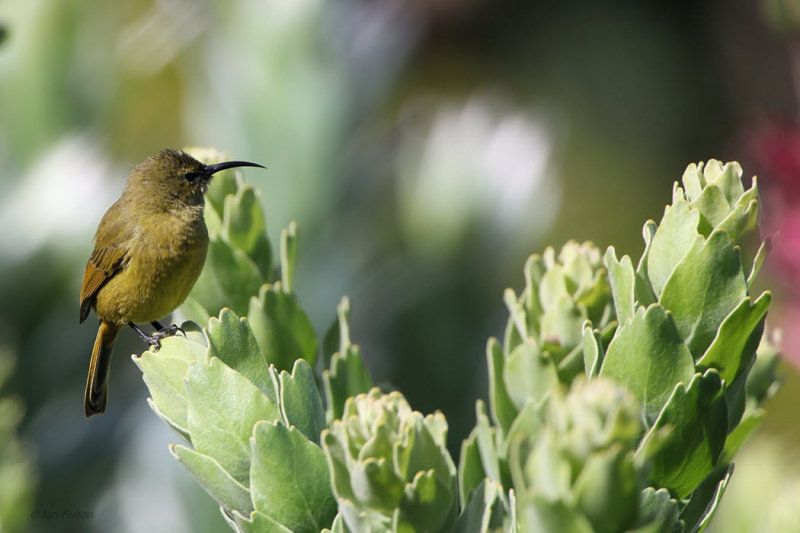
{"x": 782, "y": 15}
{"x": 765, "y": 493}
{"x": 349, "y": 103}
{"x": 17, "y": 471}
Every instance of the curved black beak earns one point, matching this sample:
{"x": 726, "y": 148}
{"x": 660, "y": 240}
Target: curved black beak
{"x": 212, "y": 169}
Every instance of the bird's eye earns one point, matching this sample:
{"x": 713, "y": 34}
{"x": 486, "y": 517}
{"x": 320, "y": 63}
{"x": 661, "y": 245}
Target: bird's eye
{"x": 191, "y": 176}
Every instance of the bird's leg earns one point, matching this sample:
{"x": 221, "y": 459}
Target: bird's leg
{"x": 172, "y": 330}
{"x": 154, "y": 340}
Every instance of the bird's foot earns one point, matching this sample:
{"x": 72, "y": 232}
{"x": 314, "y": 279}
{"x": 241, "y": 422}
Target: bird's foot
{"x": 168, "y": 332}
{"x": 154, "y": 340}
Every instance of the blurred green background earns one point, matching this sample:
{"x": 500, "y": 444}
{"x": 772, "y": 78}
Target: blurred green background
{"x": 425, "y": 150}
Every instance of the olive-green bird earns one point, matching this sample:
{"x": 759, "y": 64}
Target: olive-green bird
{"x": 149, "y": 250}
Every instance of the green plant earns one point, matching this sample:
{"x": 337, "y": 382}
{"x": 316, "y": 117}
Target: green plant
{"x": 617, "y": 399}
{"x": 17, "y": 477}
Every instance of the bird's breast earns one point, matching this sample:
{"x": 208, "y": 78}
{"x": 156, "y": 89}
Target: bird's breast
{"x": 166, "y": 257}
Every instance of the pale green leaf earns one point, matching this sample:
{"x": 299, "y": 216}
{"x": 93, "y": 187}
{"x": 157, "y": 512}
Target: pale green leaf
{"x": 300, "y": 401}
{"x": 607, "y": 491}
{"x": 737, "y": 338}
{"x": 228, "y": 279}
{"x": 704, "y": 288}
{"x": 164, "y": 372}
{"x": 289, "y": 479}
{"x": 648, "y": 356}
{"x": 622, "y": 279}
{"x": 288, "y": 255}
{"x": 485, "y": 511}
{"x": 592, "y": 351}
{"x": 528, "y": 374}
{"x": 219, "y": 483}
{"x": 231, "y": 340}
{"x": 671, "y": 242}
{"x": 223, "y": 407}
{"x": 259, "y": 523}
{"x": 658, "y": 510}
{"x": 502, "y": 408}
{"x": 281, "y": 327}
{"x": 698, "y": 419}
{"x": 243, "y": 226}
{"x": 347, "y": 377}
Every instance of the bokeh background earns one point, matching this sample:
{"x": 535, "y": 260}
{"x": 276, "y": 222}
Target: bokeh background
{"x": 425, "y": 149}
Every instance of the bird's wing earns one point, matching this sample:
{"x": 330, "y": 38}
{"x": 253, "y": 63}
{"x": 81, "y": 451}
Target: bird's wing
{"x": 109, "y": 257}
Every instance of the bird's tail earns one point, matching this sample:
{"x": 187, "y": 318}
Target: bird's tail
{"x": 94, "y": 400}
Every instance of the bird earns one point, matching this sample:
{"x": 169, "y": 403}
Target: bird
{"x": 149, "y": 249}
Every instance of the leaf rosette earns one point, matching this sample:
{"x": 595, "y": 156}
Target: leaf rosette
{"x": 390, "y": 467}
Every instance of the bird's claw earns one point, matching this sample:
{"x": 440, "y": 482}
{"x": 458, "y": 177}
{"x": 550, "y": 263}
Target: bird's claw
{"x": 156, "y": 337}
{"x": 154, "y": 340}
{"x": 174, "y": 329}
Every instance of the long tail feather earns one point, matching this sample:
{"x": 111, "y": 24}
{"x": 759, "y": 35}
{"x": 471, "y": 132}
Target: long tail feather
{"x": 95, "y": 397}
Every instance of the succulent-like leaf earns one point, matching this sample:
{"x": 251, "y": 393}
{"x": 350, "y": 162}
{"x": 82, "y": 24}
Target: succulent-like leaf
{"x": 518, "y": 322}
{"x": 658, "y": 512}
{"x": 347, "y": 377}
{"x": 645, "y": 293}
{"x": 300, "y": 401}
{"x": 561, "y": 327}
{"x": 281, "y": 327}
{"x": 528, "y": 424}
{"x": 623, "y": 281}
{"x": 758, "y": 261}
{"x": 698, "y": 418}
{"x": 528, "y": 374}
{"x": 424, "y": 499}
{"x": 742, "y": 220}
{"x": 288, "y": 255}
{"x": 531, "y": 299}
{"x": 259, "y": 523}
{"x": 703, "y": 502}
{"x": 244, "y": 226}
{"x": 289, "y": 478}
{"x": 502, "y": 408}
{"x": 607, "y": 490}
{"x": 338, "y": 526}
{"x": 229, "y": 278}
{"x": 544, "y": 470}
{"x": 337, "y": 338}
{"x": 223, "y": 407}
{"x": 536, "y": 513}
{"x": 648, "y": 355}
{"x": 216, "y": 480}
{"x": 485, "y": 512}
{"x": 231, "y": 340}
{"x": 163, "y": 373}
{"x": 470, "y": 469}
{"x": 737, "y": 338}
{"x": 672, "y": 240}
{"x": 592, "y": 349}
{"x": 704, "y": 288}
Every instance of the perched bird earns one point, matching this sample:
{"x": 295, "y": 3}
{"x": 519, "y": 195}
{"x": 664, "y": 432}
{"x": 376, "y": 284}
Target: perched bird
{"x": 149, "y": 250}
